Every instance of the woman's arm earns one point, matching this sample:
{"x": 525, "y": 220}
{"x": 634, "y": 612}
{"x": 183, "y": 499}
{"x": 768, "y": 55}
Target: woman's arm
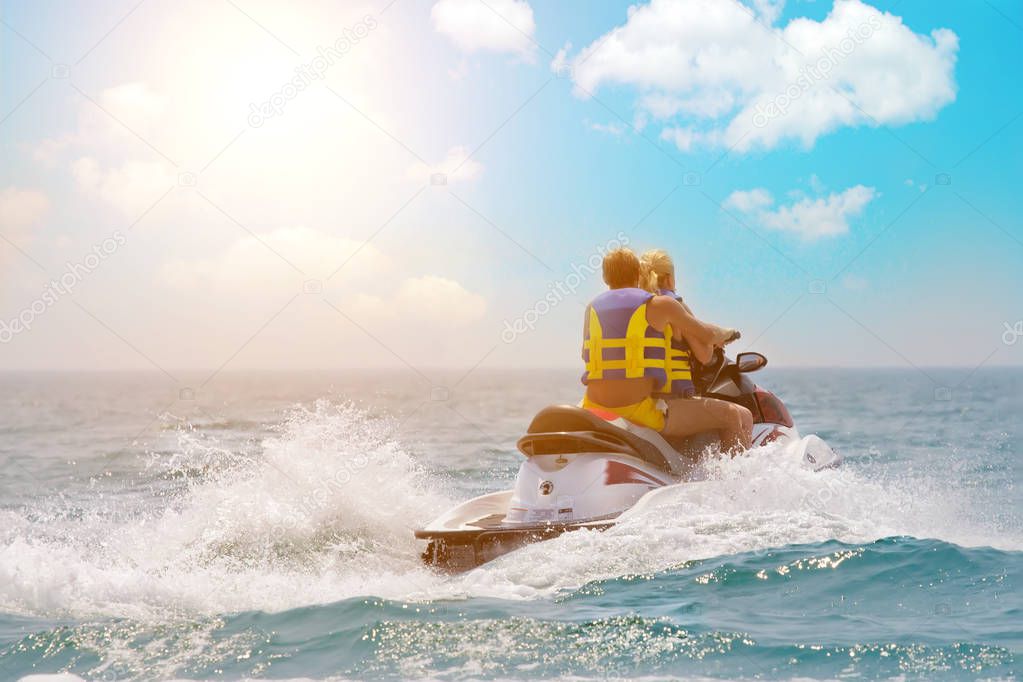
{"x": 702, "y": 337}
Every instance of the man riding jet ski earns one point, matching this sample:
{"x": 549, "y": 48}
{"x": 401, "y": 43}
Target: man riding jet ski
{"x": 618, "y": 453}
{"x": 636, "y": 344}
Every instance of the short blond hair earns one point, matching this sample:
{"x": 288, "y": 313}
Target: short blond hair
{"x": 656, "y": 267}
{"x": 621, "y": 268}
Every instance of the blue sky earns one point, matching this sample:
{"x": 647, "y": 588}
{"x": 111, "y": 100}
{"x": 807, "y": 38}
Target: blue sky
{"x": 835, "y": 243}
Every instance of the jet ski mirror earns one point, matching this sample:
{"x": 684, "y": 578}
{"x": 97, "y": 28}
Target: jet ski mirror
{"x": 750, "y": 362}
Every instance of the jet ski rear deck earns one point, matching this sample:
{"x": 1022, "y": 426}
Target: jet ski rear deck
{"x": 458, "y": 545}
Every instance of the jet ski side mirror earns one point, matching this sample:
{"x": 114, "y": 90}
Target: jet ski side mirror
{"x": 750, "y": 362}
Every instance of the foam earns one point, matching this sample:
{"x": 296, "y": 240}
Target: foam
{"x": 325, "y": 512}
{"x": 326, "y": 509}
{"x": 753, "y": 503}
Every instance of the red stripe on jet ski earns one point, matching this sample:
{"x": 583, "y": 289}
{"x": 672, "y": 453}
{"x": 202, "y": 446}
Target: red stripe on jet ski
{"x": 607, "y": 415}
{"x": 618, "y": 473}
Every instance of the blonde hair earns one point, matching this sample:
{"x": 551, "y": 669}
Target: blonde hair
{"x": 621, "y": 268}
{"x": 656, "y": 267}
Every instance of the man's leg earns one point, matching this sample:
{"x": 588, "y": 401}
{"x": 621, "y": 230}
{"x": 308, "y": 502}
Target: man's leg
{"x": 687, "y": 416}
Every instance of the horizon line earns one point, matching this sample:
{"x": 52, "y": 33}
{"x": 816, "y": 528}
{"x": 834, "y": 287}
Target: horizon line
{"x": 447, "y": 368}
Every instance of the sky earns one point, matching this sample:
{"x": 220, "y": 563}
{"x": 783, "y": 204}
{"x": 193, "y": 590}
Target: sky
{"x": 242, "y": 184}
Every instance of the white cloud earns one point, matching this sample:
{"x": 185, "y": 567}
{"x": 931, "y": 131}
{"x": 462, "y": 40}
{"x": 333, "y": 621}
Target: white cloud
{"x": 21, "y": 208}
{"x": 705, "y": 104}
{"x": 456, "y": 167}
{"x": 131, "y": 188}
{"x": 134, "y": 105}
{"x": 611, "y": 128}
{"x": 768, "y": 10}
{"x": 682, "y": 137}
{"x": 716, "y": 70}
{"x": 748, "y": 201}
{"x": 369, "y": 285}
{"x": 139, "y": 107}
{"x": 560, "y": 60}
{"x": 200, "y": 284}
{"x": 494, "y": 25}
{"x": 130, "y": 111}
{"x": 20, "y": 211}
{"x": 260, "y": 264}
{"x": 809, "y": 218}
{"x": 426, "y": 299}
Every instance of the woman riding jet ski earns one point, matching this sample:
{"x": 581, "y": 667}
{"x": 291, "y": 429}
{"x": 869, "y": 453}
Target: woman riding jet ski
{"x": 585, "y": 466}
{"x": 637, "y": 347}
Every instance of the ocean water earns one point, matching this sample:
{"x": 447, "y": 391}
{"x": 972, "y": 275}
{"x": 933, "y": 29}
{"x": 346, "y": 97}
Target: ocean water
{"x": 261, "y": 527}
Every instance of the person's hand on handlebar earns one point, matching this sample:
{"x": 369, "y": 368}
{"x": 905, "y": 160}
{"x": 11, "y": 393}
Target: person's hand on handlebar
{"x": 727, "y": 337}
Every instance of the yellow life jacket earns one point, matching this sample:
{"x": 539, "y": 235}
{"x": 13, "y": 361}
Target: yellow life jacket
{"x": 678, "y": 363}
{"x": 619, "y": 343}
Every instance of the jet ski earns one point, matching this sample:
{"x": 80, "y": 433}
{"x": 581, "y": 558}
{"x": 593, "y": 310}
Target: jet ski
{"x": 584, "y": 468}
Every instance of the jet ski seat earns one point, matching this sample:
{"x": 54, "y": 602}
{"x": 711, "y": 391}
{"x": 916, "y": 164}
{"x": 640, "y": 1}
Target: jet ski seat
{"x": 566, "y": 429}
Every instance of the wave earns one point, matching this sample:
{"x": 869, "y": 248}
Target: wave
{"x": 734, "y": 617}
{"x": 323, "y": 510}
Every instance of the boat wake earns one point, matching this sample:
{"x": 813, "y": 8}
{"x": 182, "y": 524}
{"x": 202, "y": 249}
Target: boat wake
{"x": 324, "y": 510}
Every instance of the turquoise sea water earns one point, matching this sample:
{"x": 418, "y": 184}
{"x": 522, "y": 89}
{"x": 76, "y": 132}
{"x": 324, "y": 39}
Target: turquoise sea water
{"x": 261, "y": 527}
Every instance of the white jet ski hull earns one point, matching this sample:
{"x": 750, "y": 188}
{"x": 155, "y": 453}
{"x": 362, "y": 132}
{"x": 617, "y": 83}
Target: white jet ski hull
{"x": 558, "y": 493}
